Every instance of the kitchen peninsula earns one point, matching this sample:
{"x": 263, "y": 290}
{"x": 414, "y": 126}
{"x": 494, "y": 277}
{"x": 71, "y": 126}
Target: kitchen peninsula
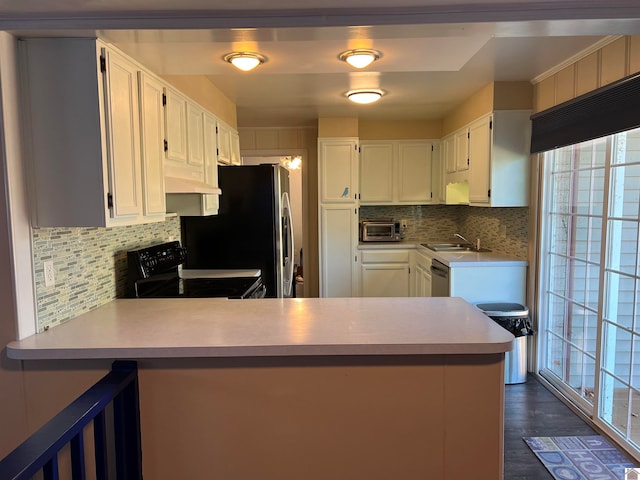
{"x": 353, "y": 388}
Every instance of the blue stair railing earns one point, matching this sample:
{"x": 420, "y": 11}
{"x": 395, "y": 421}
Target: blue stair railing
{"x": 39, "y": 453}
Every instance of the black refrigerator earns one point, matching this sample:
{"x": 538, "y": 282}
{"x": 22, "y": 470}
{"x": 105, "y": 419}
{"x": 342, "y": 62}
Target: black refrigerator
{"x": 253, "y": 228}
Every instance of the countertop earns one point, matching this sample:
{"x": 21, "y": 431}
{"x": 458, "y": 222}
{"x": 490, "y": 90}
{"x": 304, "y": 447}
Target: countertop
{"x": 452, "y": 259}
{"x": 214, "y": 327}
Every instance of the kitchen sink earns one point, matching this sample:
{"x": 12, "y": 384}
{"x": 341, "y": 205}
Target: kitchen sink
{"x": 453, "y": 247}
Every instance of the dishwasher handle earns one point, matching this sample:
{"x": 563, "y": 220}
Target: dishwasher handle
{"x": 439, "y": 269}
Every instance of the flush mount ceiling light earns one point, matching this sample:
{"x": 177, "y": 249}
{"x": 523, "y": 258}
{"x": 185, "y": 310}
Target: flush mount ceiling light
{"x": 365, "y": 96}
{"x": 360, "y": 57}
{"x": 244, "y": 61}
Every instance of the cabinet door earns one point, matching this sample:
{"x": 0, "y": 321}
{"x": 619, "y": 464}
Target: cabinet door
{"x": 123, "y": 117}
{"x": 338, "y": 255}
{"x": 338, "y": 170}
{"x": 449, "y": 153}
{"x": 376, "y": 172}
{"x": 438, "y": 184}
{"x": 425, "y": 283}
{"x": 176, "y": 126}
{"x": 480, "y": 160}
{"x": 234, "y": 140}
{"x": 152, "y": 138}
{"x": 462, "y": 150}
{"x": 195, "y": 135}
{"x": 224, "y": 144}
{"x": 210, "y": 202}
{"x": 414, "y": 172}
{"x": 385, "y": 280}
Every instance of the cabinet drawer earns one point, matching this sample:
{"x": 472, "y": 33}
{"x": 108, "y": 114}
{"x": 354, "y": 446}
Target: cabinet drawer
{"x": 385, "y": 256}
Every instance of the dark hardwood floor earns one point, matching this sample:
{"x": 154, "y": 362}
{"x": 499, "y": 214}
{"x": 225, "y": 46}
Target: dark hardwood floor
{"x": 533, "y": 411}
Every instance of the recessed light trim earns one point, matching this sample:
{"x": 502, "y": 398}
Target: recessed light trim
{"x": 365, "y": 96}
{"x": 244, "y": 61}
{"x": 360, "y": 57}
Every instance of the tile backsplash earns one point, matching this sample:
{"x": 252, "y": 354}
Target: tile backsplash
{"x": 503, "y": 230}
{"x": 90, "y": 265}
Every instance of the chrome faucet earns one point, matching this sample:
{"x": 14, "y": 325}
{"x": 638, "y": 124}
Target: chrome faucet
{"x": 461, "y": 237}
{"x": 476, "y": 245}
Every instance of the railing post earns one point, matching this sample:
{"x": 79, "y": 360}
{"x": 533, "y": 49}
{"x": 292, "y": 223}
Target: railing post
{"x": 126, "y": 413}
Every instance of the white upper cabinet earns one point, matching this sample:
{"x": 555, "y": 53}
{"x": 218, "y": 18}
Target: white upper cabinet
{"x": 338, "y": 170}
{"x": 123, "y": 136}
{"x": 84, "y": 138}
{"x": 396, "y": 172}
{"x": 499, "y": 159}
{"x": 210, "y": 202}
{"x": 228, "y": 145}
{"x": 152, "y": 136}
{"x": 480, "y": 160}
{"x": 376, "y": 172}
{"x": 413, "y": 172}
{"x": 224, "y": 143}
{"x": 487, "y": 161}
{"x": 176, "y": 126}
{"x": 195, "y": 135}
{"x": 202, "y": 145}
{"x": 461, "y": 139}
{"x": 236, "y": 159}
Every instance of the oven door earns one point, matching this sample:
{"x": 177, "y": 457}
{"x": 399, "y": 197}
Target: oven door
{"x": 235, "y": 284}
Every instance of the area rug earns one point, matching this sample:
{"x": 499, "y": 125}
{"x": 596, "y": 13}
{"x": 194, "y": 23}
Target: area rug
{"x": 580, "y": 458}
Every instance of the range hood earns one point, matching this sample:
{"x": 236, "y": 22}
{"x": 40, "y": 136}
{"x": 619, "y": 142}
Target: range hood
{"x": 183, "y": 185}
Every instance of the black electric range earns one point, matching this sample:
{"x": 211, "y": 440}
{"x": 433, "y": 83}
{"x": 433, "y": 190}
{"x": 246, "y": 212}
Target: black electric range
{"x": 154, "y": 272}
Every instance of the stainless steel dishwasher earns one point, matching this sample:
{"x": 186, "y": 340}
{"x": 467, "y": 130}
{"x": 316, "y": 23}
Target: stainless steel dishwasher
{"x": 439, "y": 279}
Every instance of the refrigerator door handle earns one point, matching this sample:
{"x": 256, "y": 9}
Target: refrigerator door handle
{"x": 288, "y": 249}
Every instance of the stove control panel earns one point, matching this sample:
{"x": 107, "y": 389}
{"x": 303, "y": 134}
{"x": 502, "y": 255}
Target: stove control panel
{"x": 155, "y": 260}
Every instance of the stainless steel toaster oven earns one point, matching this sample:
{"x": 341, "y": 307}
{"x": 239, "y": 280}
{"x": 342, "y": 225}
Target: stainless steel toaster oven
{"x": 379, "y": 231}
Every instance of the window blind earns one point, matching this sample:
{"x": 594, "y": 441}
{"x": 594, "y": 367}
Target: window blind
{"x": 610, "y": 109}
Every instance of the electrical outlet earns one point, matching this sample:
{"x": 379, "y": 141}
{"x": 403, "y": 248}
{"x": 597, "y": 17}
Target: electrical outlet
{"x": 49, "y": 275}
{"x": 404, "y": 223}
{"x": 503, "y": 231}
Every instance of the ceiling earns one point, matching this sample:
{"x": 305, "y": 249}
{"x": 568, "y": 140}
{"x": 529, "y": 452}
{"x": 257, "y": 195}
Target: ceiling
{"x": 427, "y": 67}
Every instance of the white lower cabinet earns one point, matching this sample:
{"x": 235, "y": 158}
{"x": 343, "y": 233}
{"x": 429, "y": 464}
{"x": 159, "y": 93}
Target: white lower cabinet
{"x": 420, "y": 275}
{"x": 384, "y": 273}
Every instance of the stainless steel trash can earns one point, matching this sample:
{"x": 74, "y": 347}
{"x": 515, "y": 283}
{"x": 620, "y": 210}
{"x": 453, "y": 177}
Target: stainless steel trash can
{"x": 514, "y": 318}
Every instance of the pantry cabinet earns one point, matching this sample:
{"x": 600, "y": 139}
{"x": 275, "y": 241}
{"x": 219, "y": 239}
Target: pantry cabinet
{"x": 396, "y": 172}
{"x": 385, "y": 273}
{"x": 338, "y": 217}
{"x": 82, "y": 106}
